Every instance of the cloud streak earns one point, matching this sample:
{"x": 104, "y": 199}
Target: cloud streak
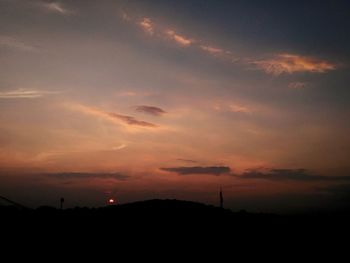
{"x": 187, "y": 160}
{"x": 289, "y": 174}
{"x": 85, "y": 176}
{"x": 130, "y": 120}
{"x": 239, "y": 108}
{"x": 179, "y": 39}
{"x": 25, "y": 94}
{"x": 56, "y": 7}
{"x": 155, "y": 111}
{"x": 112, "y": 116}
{"x": 14, "y": 43}
{"x": 210, "y": 170}
{"x": 153, "y": 29}
{"x": 292, "y": 63}
{"x": 283, "y": 63}
{"x": 212, "y": 50}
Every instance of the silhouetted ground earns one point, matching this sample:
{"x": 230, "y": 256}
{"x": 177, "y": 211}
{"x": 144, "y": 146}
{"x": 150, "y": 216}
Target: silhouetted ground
{"x": 176, "y": 226}
{"x": 160, "y": 211}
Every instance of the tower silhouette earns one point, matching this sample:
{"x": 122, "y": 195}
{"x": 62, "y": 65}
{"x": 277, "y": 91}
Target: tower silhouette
{"x": 221, "y": 199}
{"x": 61, "y": 203}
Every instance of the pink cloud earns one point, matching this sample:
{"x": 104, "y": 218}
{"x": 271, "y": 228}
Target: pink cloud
{"x": 147, "y": 25}
{"x": 212, "y": 50}
{"x": 290, "y": 63}
{"x": 179, "y": 39}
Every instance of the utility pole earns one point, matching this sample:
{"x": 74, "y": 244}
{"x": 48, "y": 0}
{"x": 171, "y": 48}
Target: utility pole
{"x": 61, "y": 203}
{"x": 221, "y": 199}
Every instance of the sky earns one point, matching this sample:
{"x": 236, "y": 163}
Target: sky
{"x": 138, "y": 100}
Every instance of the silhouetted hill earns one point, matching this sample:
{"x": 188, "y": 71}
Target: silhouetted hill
{"x": 166, "y": 215}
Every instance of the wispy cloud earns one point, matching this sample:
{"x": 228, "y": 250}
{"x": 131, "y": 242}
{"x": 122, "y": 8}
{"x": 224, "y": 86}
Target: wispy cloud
{"x": 112, "y": 116}
{"x": 25, "y": 94}
{"x": 15, "y": 43}
{"x": 179, "y": 39}
{"x": 211, "y": 170}
{"x": 212, "y": 50}
{"x": 117, "y": 148}
{"x": 147, "y": 25}
{"x": 239, "y": 108}
{"x": 125, "y": 16}
{"x": 276, "y": 65}
{"x": 297, "y": 85}
{"x": 289, "y": 174}
{"x": 85, "y": 176}
{"x": 186, "y": 160}
{"x": 155, "y": 111}
{"x": 156, "y": 30}
{"x": 130, "y": 120}
{"x": 291, "y": 63}
{"x": 56, "y": 7}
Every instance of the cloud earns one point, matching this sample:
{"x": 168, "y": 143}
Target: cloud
{"x": 212, "y": 170}
{"x": 150, "y": 110}
{"x": 130, "y": 120}
{"x": 125, "y": 16}
{"x": 112, "y": 116}
{"x": 14, "y": 43}
{"x": 147, "y": 25}
{"x": 153, "y": 29}
{"x": 289, "y": 174}
{"x": 186, "y": 160}
{"x": 117, "y": 148}
{"x": 25, "y": 94}
{"x": 75, "y": 175}
{"x": 179, "y": 39}
{"x": 56, "y": 7}
{"x": 290, "y": 63}
{"x": 297, "y": 85}
{"x": 239, "y": 108}
{"x": 212, "y": 50}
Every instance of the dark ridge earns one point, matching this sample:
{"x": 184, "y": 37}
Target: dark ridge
{"x": 163, "y": 220}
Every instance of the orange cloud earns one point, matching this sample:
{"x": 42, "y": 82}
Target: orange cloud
{"x": 181, "y": 40}
{"x": 289, "y": 63}
{"x": 147, "y": 25}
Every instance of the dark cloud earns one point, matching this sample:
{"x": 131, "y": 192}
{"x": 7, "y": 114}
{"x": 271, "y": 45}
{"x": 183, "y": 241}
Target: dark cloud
{"x": 186, "y": 160}
{"x": 289, "y": 174}
{"x": 76, "y": 175}
{"x": 131, "y": 120}
{"x": 213, "y": 170}
{"x": 150, "y": 110}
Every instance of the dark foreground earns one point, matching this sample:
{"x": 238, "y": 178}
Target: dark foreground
{"x": 173, "y": 225}
{"x": 161, "y": 212}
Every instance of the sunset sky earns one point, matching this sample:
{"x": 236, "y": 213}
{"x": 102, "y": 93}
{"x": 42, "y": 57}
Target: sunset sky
{"x": 142, "y": 99}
